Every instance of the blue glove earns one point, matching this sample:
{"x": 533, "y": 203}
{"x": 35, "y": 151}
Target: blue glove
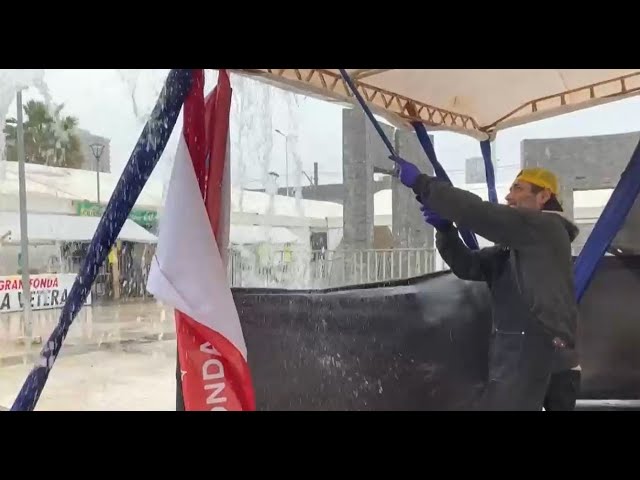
{"x": 408, "y": 172}
{"x": 433, "y": 219}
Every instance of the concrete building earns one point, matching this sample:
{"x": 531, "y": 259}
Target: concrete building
{"x": 363, "y": 153}
{"x": 474, "y": 171}
{"x": 86, "y": 139}
{"x": 589, "y": 164}
{"x": 328, "y": 192}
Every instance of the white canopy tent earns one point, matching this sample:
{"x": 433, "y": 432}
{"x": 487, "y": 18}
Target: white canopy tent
{"x": 480, "y": 103}
{"x": 254, "y": 234}
{"x": 476, "y": 102}
{"x": 46, "y": 228}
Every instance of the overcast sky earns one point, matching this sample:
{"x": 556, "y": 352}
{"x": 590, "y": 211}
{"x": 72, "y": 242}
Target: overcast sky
{"x": 102, "y": 101}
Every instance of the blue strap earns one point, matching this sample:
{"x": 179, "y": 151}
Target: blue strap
{"x": 427, "y": 146}
{"x": 468, "y": 236}
{"x": 608, "y": 225}
{"x": 145, "y": 155}
{"x": 367, "y": 111}
{"x": 485, "y": 147}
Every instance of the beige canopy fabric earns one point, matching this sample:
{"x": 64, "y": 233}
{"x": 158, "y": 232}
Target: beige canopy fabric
{"x": 476, "y": 102}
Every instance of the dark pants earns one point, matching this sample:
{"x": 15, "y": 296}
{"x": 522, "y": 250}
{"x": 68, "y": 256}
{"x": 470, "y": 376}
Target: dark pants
{"x": 563, "y": 391}
{"x": 524, "y": 372}
{"x": 520, "y": 369}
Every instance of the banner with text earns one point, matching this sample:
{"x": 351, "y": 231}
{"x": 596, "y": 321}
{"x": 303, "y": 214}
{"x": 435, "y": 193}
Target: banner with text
{"x": 145, "y": 218}
{"x": 48, "y": 290}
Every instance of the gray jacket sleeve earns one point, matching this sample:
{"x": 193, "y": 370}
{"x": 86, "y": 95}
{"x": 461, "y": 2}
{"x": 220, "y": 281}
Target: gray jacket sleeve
{"x": 465, "y": 263}
{"x": 497, "y": 223}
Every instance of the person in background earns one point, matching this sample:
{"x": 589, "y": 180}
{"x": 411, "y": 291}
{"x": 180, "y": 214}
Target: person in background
{"x": 533, "y": 360}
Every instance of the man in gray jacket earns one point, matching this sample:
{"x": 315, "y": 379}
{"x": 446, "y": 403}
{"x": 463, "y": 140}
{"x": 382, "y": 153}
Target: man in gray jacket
{"x": 533, "y": 357}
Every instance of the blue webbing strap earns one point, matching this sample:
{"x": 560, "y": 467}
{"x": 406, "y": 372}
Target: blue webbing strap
{"x": 368, "y": 112}
{"x": 427, "y": 146}
{"x": 145, "y": 155}
{"x": 609, "y": 223}
{"x": 467, "y": 236}
{"x": 485, "y": 147}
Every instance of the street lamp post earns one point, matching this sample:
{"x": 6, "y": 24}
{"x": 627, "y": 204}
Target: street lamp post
{"x": 24, "y": 236}
{"x": 97, "y": 149}
{"x": 286, "y": 158}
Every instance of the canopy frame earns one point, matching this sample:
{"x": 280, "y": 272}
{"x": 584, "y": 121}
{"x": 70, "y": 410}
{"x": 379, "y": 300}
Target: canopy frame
{"x": 404, "y": 110}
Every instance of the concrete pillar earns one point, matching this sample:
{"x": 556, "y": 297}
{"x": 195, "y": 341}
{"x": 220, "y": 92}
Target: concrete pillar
{"x": 357, "y": 176}
{"x": 409, "y": 228}
{"x": 362, "y": 148}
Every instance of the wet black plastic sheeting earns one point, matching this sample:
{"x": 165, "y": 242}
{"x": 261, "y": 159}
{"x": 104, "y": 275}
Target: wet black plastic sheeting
{"x": 417, "y": 345}
{"x": 610, "y": 331}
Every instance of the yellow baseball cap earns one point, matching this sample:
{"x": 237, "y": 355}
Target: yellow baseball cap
{"x": 540, "y": 177}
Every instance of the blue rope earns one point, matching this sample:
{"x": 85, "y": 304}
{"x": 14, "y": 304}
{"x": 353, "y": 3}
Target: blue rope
{"x": 467, "y": 236}
{"x": 485, "y": 147}
{"x": 367, "y": 111}
{"x": 608, "y": 225}
{"x": 145, "y": 155}
{"x": 427, "y": 146}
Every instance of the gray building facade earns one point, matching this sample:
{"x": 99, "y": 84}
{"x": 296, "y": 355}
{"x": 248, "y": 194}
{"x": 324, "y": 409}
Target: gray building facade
{"x": 86, "y": 140}
{"x": 364, "y": 152}
{"x": 588, "y": 163}
{"x": 474, "y": 171}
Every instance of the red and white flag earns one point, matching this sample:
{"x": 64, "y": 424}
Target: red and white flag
{"x": 189, "y": 272}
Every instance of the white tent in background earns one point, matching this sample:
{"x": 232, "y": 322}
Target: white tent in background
{"x": 46, "y": 228}
{"x": 253, "y": 234}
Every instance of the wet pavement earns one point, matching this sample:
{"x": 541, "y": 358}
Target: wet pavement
{"x": 115, "y": 357}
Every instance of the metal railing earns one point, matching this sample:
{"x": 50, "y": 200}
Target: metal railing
{"x": 326, "y": 268}
{"x": 331, "y": 268}
{"x": 295, "y": 268}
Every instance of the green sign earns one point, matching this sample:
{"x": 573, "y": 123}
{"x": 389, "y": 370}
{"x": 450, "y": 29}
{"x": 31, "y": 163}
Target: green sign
{"x": 144, "y": 218}
{"x": 88, "y": 209}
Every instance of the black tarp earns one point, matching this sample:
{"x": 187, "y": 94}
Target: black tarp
{"x": 419, "y": 344}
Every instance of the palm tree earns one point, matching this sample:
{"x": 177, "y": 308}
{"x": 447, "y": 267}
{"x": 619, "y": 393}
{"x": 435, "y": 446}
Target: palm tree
{"x": 49, "y": 139}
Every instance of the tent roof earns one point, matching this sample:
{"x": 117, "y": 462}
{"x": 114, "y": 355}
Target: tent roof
{"x": 75, "y": 184}
{"x": 253, "y": 234}
{"x": 262, "y": 203}
{"x": 477, "y": 102}
{"x": 49, "y": 228}
{"x": 71, "y": 183}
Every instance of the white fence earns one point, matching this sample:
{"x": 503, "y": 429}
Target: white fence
{"x": 292, "y": 269}
{"x": 327, "y": 268}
